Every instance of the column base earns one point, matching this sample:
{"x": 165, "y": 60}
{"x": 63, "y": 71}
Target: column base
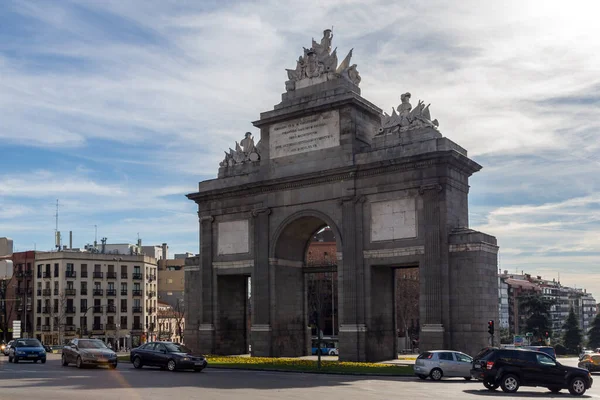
{"x": 353, "y": 342}
{"x": 431, "y": 337}
{"x": 206, "y": 338}
{"x": 260, "y": 339}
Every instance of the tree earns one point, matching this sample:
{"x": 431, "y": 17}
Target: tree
{"x": 505, "y": 336}
{"x": 594, "y": 333}
{"x": 407, "y": 301}
{"x": 58, "y": 315}
{"x": 7, "y": 307}
{"x": 178, "y": 316}
{"x": 536, "y": 310}
{"x": 573, "y": 337}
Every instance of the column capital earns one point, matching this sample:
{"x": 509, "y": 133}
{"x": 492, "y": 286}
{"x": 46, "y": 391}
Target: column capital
{"x": 206, "y": 218}
{"x": 432, "y": 187}
{"x": 261, "y": 210}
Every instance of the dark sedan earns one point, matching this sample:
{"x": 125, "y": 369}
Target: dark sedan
{"x": 84, "y": 352}
{"x": 166, "y": 355}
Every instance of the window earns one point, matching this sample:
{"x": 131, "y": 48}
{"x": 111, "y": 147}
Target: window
{"x": 39, "y": 270}
{"x": 83, "y": 287}
{"x": 56, "y": 270}
{"x": 70, "y": 285}
{"x": 463, "y": 358}
{"x": 97, "y": 286}
{"x": 545, "y": 361}
{"x": 446, "y": 356}
{"x": 169, "y": 280}
{"x": 70, "y": 267}
{"x": 84, "y": 272}
{"x": 123, "y": 322}
{"x": 84, "y": 305}
{"x": 97, "y": 268}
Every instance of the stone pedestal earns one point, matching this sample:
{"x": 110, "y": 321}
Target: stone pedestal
{"x": 353, "y": 340}
{"x": 261, "y": 341}
{"x": 432, "y": 338}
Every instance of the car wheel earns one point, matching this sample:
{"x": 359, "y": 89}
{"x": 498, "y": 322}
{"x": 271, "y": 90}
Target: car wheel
{"x": 421, "y": 376}
{"x": 137, "y": 362}
{"x": 63, "y": 361}
{"x": 171, "y": 366}
{"x": 112, "y": 366}
{"x": 490, "y": 385}
{"x": 577, "y": 386}
{"x": 554, "y": 389}
{"x": 43, "y": 361}
{"x": 510, "y": 383}
{"x": 79, "y": 363}
{"x": 436, "y": 374}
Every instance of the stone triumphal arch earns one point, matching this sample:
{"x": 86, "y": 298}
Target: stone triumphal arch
{"x": 393, "y": 190}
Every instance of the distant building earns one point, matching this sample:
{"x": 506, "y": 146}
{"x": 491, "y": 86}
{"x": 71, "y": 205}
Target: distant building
{"x": 89, "y": 294}
{"x": 171, "y": 323}
{"x": 503, "y": 308}
{"x": 171, "y": 281}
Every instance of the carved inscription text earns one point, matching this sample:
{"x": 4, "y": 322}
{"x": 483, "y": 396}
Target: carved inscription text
{"x": 301, "y": 135}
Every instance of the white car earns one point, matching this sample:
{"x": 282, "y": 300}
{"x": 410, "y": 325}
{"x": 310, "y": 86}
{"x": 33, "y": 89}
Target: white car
{"x": 6, "y": 349}
{"x": 334, "y": 351}
{"x": 443, "y": 363}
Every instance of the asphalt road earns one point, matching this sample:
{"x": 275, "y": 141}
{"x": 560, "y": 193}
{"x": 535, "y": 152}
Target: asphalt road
{"x": 50, "y": 381}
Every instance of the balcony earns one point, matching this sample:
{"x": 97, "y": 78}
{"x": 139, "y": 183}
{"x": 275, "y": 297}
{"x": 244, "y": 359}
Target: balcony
{"x": 98, "y": 292}
{"x": 28, "y": 273}
{"x": 19, "y": 274}
{"x": 137, "y": 276}
{"x": 111, "y": 309}
{"x": 71, "y": 310}
{"x": 56, "y": 292}
{"x": 124, "y": 309}
{"x": 111, "y": 275}
{"x": 70, "y": 328}
{"x": 97, "y": 327}
{"x": 123, "y": 275}
{"x": 46, "y": 328}
{"x": 123, "y": 292}
{"x": 38, "y": 327}
{"x": 136, "y": 292}
{"x": 97, "y": 310}
{"x": 136, "y": 327}
{"x": 46, "y": 310}
{"x": 84, "y": 274}
{"x": 151, "y": 310}
{"x": 136, "y": 310}
{"x": 111, "y": 292}
{"x": 83, "y": 292}
{"x": 151, "y": 294}
{"x": 98, "y": 275}
{"x": 71, "y": 274}
{"x": 151, "y": 278}
{"x": 111, "y": 327}
{"x": 28, "y": 307}
{"x": 70, "y": 292}
{"x": 19, "y": 308}
{"x": 47, "y": 274}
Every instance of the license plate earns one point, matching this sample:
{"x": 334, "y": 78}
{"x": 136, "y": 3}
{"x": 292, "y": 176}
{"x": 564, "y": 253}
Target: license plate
{"x": 32, "y": 355}
{"x": 477, "y": 366}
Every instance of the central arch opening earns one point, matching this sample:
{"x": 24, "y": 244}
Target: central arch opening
{"x": 304, "y": 275}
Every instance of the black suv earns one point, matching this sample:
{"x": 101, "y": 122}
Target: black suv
{"x": 511, "y": 368}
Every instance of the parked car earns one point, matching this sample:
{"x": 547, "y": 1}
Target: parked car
{"x": 591, "y": 362}
{"x": 439, "y": 363}
{"x": 6, "y": 348}
{"x": 513, "y": 368}
{"x": 27, "y": 349}
{"x": 84, "y": 352}
{"x": 166, "y": 355}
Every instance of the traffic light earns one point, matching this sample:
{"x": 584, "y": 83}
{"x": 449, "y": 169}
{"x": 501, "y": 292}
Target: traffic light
{"x": 491, "y": 327}
{"x": 547, "y": 334}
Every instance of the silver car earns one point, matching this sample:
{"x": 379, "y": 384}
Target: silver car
{"x": 443, "y": 363}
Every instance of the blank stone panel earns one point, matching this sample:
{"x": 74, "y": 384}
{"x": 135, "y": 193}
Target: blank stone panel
{"x": 394, "y": 219}
{"x": 233, "y": 237}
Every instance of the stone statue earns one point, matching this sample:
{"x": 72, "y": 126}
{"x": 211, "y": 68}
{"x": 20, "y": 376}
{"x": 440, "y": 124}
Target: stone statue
{"x": 320, "y": 64}
{"x": 407, "y": 118}
{"x": 245, "y": 151}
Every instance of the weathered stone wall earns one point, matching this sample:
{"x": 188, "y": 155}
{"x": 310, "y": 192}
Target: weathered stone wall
{"x": 289, "y": 314}
{"x": 231, "y": 322}
{"x": 381, "y": 329}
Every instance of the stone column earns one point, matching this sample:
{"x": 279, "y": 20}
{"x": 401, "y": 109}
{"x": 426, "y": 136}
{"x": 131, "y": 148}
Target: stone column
{"x": 207, "y": 321}
{"x": 432, "y": 329}
{"x": 260, "y": 331}
{"x": 352, "y": 332}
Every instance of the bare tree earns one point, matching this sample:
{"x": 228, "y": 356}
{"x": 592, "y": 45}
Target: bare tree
{"x": 58, "y": 314}
{"x": 318, "y": 302}
{"x": 407, "y": 300}
{"x": 7, "y": 306}
{"x": 179, "y": 317}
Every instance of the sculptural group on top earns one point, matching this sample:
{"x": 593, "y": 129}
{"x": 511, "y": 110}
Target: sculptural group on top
{"x": 407, "y": 117}
{"x": 244, "y": 152}
{"x": 319, "y": 60}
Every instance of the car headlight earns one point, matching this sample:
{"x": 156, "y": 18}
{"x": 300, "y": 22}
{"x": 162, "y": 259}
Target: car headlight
{"x": 185, "y": 359}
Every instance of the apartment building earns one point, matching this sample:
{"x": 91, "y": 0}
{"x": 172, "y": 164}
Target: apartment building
{"x": 104, "y": 296}
{"x": 171, "y": 281}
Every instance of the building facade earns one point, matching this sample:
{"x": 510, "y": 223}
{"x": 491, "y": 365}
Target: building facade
{"x": 95, "y": 295}
{"x": 171, "y": 323}
{"x": 171, "y": 281}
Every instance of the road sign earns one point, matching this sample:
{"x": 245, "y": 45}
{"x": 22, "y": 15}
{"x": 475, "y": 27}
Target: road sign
{"x": 16, "y": 329}
{"x": 529, "y": 334}
{"x": 518, "y": 340}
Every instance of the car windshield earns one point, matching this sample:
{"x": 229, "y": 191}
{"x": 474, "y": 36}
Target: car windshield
{"x": 28, "y": 343}
{"x": 91, "y": 344}
{"x": 177, "y": 348}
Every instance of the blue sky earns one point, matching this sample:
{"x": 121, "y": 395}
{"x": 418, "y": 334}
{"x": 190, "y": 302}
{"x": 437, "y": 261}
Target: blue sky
{"x": 119, "y": 108}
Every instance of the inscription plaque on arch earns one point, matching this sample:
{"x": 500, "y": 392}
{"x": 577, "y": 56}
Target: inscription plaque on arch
{"x": 301, "y": 135}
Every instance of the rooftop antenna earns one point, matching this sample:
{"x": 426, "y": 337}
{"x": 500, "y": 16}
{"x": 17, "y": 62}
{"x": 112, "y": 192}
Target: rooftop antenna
{"x": 56, "y": 232}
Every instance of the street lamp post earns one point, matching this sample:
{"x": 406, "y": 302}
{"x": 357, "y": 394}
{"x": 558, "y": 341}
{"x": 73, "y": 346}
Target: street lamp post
{"x": 84, "y": 317}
